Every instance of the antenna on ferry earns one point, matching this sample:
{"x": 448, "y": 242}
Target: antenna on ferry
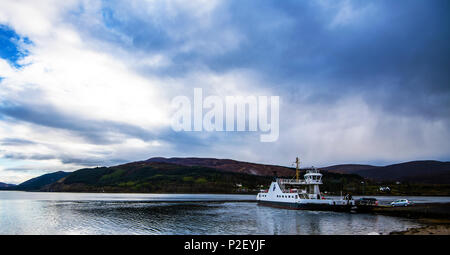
{"x": 297, "y": 163}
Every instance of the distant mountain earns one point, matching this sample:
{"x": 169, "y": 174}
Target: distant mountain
{"x": 41, "y": 181}
{"x": 157, "y": 177}
{"x": 162, "y": 177}
{"x": 6, "y": 185}
{"x": 229, "y": 165}
{"x": 426, "y": 171}
{"x": 347, "y": 168}
{"x": 210, "y": 175}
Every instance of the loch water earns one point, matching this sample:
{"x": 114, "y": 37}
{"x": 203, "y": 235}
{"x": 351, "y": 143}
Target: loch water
{"x": 179, "y": 214}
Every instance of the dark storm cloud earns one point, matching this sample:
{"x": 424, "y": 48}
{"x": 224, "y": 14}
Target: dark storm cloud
{"x": 65, "y": 159}
{"x": 23, "y": 156}
{"x": 15, "y": 142}
{"x": 97, "y": 132}
{"x": 397, "y": 56}
{"x": 86, "y": 161}
{"x": 395, "y": 53}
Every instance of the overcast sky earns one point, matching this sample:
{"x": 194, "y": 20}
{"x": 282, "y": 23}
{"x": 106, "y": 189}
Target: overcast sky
{"x": 89, "y": 83}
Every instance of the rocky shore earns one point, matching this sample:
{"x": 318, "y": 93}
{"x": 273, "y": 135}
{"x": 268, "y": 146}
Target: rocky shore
{"x": 435, "y": 217}
{"x": 435, "y": 229}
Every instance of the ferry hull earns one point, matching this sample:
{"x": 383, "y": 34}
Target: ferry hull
{"x": 306, "y": 206}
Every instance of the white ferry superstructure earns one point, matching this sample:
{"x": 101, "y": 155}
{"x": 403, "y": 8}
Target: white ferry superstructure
{"x": 304, "y": 193}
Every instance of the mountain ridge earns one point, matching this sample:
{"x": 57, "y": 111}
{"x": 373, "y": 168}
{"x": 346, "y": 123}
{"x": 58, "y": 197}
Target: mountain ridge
{"x": 156, "y": 177}
{"x": 421, "y": 171}
{"x": 38, "y": 182}
{"x": 228, "y": 165}
{"x": 425, "y": 171}
{"x": 6, "y": 185}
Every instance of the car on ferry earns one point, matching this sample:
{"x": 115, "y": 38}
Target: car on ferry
{"x": 366, "y": 204}
{"x": 401, "y": 202}
{"x": 367, "y": 201}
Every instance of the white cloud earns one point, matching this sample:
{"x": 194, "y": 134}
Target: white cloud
{"x": 68, "y": 73}
{"x": 87, "y": 80}
{"x": 346, "y": 13}
{"x": 85, "y": 76}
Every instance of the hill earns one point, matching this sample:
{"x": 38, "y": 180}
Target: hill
{"x": 6, "y": 185}
{"x": 428, "y": 171}
{"x": 210, "y": 175}
{"x": 41, "y": 181}
{"x": 157, "y": 177}
{"x": 347, "y": 168}
{"x": 160, "y": 177}
{"x": 425, "y": 171}
{"x": 228, "y": 165}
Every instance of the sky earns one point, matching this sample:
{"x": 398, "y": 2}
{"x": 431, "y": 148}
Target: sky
{"x": 90, "y": 83}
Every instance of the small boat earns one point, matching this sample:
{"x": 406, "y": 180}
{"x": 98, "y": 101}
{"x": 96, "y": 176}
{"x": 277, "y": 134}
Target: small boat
{"x": 303, "y": 193}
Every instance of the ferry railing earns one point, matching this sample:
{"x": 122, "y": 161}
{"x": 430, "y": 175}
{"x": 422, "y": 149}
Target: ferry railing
{"x": 299, "y": 182}
{"x": 313, "y": 182}
{"x": 290, "y": 181}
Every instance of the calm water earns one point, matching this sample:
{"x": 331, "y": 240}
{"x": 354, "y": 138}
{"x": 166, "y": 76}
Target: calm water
{"x": 84, "y": 213}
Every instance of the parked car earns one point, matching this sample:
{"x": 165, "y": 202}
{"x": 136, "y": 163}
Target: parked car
{"x": 367, "y": 201}
{"x": 401, "y": 202}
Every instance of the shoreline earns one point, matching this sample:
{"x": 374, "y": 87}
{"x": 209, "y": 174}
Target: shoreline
{"x": 215, "y": 193}
{"x": 438, "y": 211}
{"x": 432, "y": 227}
{"x": 434, "y": 216}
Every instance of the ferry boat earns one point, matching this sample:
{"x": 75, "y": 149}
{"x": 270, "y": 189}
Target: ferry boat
{"x": 304, "y": 193}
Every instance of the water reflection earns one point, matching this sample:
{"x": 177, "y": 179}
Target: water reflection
{"x": 279, "y": 221}
{"x": 47, "y": 216}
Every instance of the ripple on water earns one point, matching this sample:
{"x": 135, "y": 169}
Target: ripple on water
{"x": 49, "y": 216}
